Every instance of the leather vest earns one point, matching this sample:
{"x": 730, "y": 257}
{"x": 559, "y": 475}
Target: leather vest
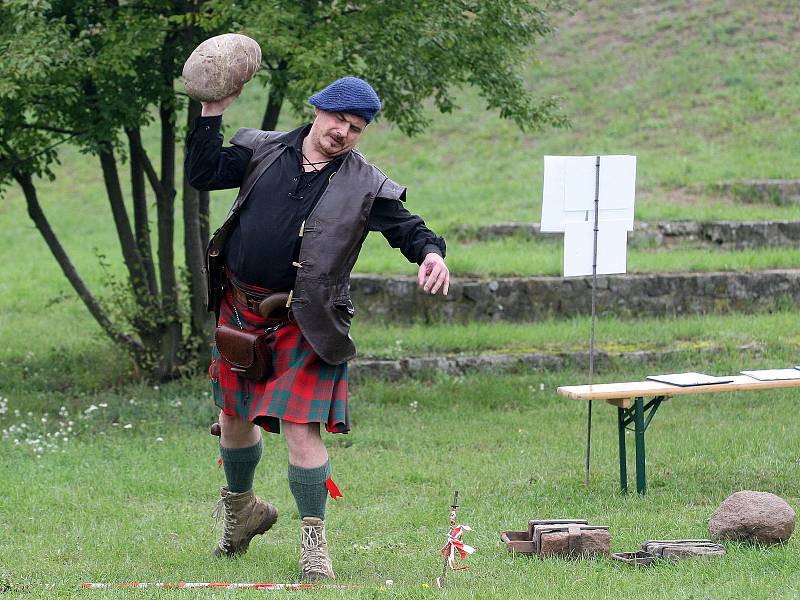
{"x": 332, "y": 237}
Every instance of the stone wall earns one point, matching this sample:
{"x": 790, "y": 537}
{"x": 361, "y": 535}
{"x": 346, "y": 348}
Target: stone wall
{"x": 727, "y": 235}
{"x": 529, "y": 362}
{"x": 536, "y": 298}
{"x": 775, "y": 191}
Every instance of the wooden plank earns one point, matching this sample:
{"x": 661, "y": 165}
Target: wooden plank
{"x": 636, "y": 389}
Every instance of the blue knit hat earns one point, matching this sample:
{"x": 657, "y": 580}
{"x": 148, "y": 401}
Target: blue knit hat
{"x": 349, "y": 95}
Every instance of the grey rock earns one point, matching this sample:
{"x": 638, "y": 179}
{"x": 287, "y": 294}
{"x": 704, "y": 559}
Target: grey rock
{"x": 754, "y": 517}
{"x": 219, "y": 65}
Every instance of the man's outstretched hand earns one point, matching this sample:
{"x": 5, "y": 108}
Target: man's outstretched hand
{"x": 434, "y": 274}
{"x": 215, "y": 109}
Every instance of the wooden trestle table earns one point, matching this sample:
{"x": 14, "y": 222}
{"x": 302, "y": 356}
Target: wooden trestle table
{"x": 638, "y": 401}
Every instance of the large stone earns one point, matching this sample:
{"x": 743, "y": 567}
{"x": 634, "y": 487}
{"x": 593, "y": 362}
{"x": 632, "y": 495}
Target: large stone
{"x": 220, "y": 65}
{"x": 754, "y": 517}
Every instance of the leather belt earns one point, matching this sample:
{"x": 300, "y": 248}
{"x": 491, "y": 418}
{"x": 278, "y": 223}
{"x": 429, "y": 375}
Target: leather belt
{"x": 271, "y": 305}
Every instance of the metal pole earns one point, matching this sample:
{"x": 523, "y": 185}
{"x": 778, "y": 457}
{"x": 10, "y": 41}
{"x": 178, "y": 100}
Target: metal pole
{"x": 623, "y": 458}
{"x": 594, "y": 312}
{"x": 641, "y": 478}
{"x": 453, "y": 508}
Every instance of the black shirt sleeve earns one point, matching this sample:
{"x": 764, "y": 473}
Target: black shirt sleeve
{"x": 404, "y": 231}
{"x": 208, "y": 165}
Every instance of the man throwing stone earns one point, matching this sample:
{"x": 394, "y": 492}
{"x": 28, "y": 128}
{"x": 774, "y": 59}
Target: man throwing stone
{"x": 281, "y": 264}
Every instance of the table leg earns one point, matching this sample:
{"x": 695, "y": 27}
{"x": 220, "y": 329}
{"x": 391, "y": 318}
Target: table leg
{"x": 639, "y": 429}
{"x": 623, "y": 463}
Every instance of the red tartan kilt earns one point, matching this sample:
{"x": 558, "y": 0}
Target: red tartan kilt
{"x": 302, "y": 389}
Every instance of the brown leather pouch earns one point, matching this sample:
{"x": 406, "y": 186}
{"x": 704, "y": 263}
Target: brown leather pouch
{"x": 248, "y": 353}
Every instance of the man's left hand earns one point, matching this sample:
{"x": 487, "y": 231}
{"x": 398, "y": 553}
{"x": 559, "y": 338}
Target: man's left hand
{"x": 434, "y": 274}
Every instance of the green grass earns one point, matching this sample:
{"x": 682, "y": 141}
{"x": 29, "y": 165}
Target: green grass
{"x": 121, "y": 504}
{"x": 684, "y": 89}
{"x": 612, "y": 334}
{"x": 517, "y": 255}
{"x": 700, "y": 93}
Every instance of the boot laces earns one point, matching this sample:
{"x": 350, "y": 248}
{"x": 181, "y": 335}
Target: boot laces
{"x": 313, "y": 543}
{"x": 224, "y": 509}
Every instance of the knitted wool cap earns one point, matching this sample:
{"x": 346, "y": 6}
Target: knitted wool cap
{"x": 349, "y": 95}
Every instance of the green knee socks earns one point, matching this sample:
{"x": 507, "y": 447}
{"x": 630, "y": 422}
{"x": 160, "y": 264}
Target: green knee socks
{"x": 309, "y": 490}
{"x": 240, "y": 466}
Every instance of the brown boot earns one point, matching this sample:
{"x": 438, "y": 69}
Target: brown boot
{"x": 314, "y": 560}
{"x": 246, "y": 515}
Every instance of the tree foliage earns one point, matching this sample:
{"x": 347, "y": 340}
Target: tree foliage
{"x": 93, "y": 73}
{"x": 410, "y": 50}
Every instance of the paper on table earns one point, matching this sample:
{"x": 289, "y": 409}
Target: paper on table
{"x": 689, "y": 379}
{"x": 773, "y": 374}
{"x": 612, "y": 238}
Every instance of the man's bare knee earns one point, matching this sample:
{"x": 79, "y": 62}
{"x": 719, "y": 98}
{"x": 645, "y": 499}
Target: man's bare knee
{"x": 305, "y": 445}
{"x": 237, "y": 432}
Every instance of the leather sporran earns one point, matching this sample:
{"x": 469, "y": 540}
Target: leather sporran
{"x": 248, "y": 353}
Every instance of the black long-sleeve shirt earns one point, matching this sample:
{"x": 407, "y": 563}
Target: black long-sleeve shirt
{"x": 264, "y": 242}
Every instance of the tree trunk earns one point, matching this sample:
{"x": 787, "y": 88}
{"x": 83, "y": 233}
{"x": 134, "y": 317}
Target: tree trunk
{"x": 141, "y": 223}
{"x": 277, "y": 92}
{"x": 171, "y": 338}
{"x": 205, "y": 218}
{"x": 194, "y": 239}
{"x": 40, "y": 220}
{"x": 130, "y": 252}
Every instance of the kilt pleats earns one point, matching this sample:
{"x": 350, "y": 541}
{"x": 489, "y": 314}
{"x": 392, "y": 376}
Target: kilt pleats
{"x": 302, "y": 389}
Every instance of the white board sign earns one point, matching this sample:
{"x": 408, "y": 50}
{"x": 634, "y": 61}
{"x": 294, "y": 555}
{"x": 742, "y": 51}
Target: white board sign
{"x": 568, "y": 204}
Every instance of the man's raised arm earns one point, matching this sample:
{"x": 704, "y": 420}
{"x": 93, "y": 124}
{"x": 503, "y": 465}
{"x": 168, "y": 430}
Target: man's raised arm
{"x": 208, "y": 165}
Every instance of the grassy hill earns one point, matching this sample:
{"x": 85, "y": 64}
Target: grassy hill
{"x": 700, "y": 93}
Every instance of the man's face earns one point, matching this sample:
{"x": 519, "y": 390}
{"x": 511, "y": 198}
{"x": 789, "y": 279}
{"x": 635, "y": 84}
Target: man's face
{"x": 335, "y": 133}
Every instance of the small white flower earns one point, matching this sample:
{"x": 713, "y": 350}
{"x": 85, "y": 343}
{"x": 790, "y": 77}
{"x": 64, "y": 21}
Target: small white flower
{"x": 128, "y": 426}
{"x": 104, "y": 405}
{"x": 91, "y": 408}
{"x": 159, "y": 439}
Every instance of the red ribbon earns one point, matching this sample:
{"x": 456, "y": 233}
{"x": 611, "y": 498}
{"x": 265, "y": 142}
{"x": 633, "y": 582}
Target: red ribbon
{"x": 455, "y": 546}
{"x": 333, "y": 489}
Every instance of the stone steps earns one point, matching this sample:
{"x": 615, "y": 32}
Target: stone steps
{"x": 529, "y": 362}
{"x": 782, "y": 192}
{"x": 727, "y": 235}
{"x": 536, "y": 298}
